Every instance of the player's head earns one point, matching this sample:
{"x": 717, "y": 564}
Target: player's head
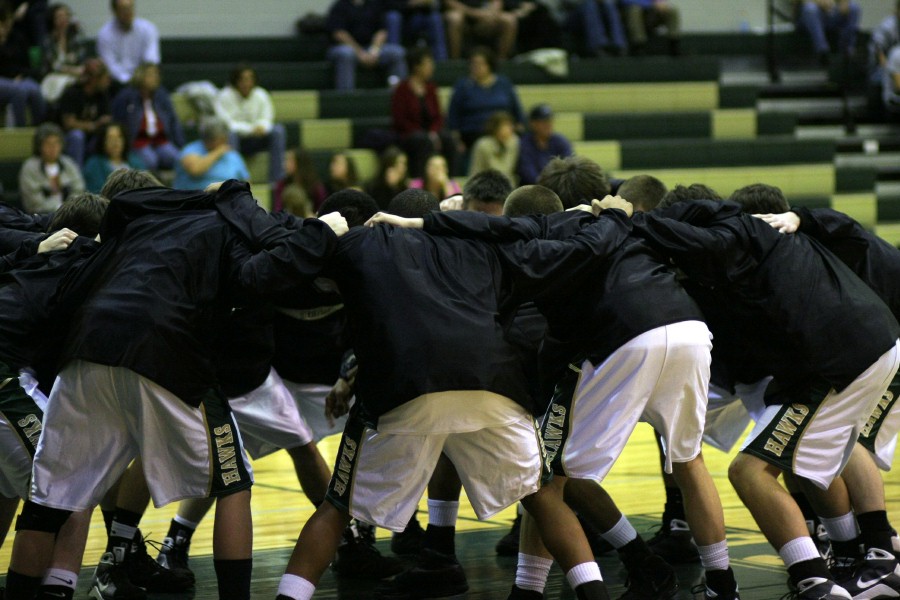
{"x": 760, "y": 198}
{"x": 645, "y": 192}
{"x": 413, "y": 203}
{"x": 532, "y": 200}
{"x": 486, "y": 192}
{"x": 695, "y": 191}
{"x": 122, "y": 180}
{"x": 575, "y": 179}
{"x": 355, "y": 206}
{"x": 81, "y": 213}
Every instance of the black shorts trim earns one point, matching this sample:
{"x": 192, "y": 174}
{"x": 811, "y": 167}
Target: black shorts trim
{"x": 341, "y": 485}
{"x": 869, "y": 433}
{"x": 228, "y": 461}
{"x": 20, "y": 410}
{"x": 557, "y": 423}
{"x": 777, "y": 442}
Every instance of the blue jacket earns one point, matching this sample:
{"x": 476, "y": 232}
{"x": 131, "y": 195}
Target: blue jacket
{"x": 128, "y": 109}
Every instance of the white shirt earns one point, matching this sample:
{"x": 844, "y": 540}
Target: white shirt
{"x": 243, "y": 115}
{"x": 123, "y": 51}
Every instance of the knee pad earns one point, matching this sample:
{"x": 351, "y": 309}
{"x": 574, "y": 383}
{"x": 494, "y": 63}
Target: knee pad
{"x": 35, "y": 517}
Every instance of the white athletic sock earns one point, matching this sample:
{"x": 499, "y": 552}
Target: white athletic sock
{"x": 442, "y": 513}
{"x": 620, "y": 534}
{"x": 295, "y": 587}
{"x": 841, "y": 529}
{"x": 60, "y": 577}
{"x": 714, "y": 556}
{"x": 532, "y": 572}
{"x": 583, "y": 573}
{"x": 799, "y": 550}
{"x": 185, "y": 523}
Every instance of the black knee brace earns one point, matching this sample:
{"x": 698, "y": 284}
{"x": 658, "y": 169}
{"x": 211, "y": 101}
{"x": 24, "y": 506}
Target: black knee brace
{"x": 35, "y": 517}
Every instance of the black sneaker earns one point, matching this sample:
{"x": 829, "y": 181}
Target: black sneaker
{"x": 145, "y": 572}
{"x": 173, "y": 554}
{"x": 719, "y": 585}
{"x": 517, "y": 593}
{"x": 409, "y": 541}
{"x": 508, "y": 545}
{"x": 435, "y": 575}
{"x": 358, "y": 558}
{"x": 110, "y": 581}
{"x": 895, "y": 543}
{"x": 820, "y": 538}
{"x": 877, "y": 576}
{"x": 817, "y": 588}
{"x": 674, "y": 543}
{"x": 655, "y": 579}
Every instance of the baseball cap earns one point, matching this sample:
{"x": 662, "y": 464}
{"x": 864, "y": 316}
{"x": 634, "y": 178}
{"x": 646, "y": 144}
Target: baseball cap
{"x": 541, "y": 112}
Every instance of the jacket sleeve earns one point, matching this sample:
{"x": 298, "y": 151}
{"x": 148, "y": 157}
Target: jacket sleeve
{"x": 846, "y": 238}
{"x": 475, "y": 225}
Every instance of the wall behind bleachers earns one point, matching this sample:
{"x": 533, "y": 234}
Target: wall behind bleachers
{"x": 231, "y": 18}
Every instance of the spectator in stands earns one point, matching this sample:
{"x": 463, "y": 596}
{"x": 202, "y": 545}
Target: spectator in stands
{"x": 48, "y": 178}
{"x": 31, "y": 20}
{"x": 112, "y": 153}
{"x": 416, "y": 112}
{"x": 536, "y": 25}
{"x": 296, "y": 202}
{"x": 18, "y": 87}
{"x": 476, "y": 97}
{"x": 486, "y": 192}
{"x": 890, "y": 88}
{"x": 391, "y": 179}
{"x": 599, "y": 24}
{"x": 643, "y": 16}
{"x": 360, "y": 38}
{"x": 300, "y": 173}
{"x": 247, "y": 109}
{"x": 645, "y": 192}
{"x": 153, "y": 128}
{"x": 84, "y": 109}
{"x": 409, "y": 20}
{"x": 884, "y": 37}
{"x": 540, "y": 145}
{"x": 485, "y": 20}
{"x": 63, "y": 52}
{"x": 499, "y": 149}
{"x": 126, "y": 41}
{"x": 817, "y": 17}
{"x": 580, "y": 179}
{"x": 209, "y": 159}
{"x": 437, "y": 179}
{"x": 342, "y": 173}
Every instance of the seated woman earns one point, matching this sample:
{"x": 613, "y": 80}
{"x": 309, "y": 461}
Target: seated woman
{"x": 48, "y": 178}
{"x": 63, "y": 52}
{"x": 146, "y": 110}
{"x": 112, "y": 153}
{"x": 299, "y": 171}
{"x": 499, "y": 149}
{"x": 342, "y": 173}
{"x": 391, "y": 178}
{"x": 209, "y": 159}
{"x": 437, "y": 179}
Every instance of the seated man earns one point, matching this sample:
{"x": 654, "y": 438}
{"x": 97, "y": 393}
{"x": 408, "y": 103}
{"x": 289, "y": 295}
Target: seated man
{"x": 248, "y": 111}
{"x": 818, "y": 17}
{"x": 483, "y": 19}
{"x": 84, "y": 108}
{"x": 540, "y": 145}
{"x": 359, "y": 38}
{"x": 643, "y": 16}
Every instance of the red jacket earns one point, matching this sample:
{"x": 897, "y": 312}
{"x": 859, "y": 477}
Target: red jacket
{"x": 407, "y": 110}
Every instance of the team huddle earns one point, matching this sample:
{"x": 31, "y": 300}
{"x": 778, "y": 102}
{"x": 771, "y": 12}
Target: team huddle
{"x": 510, "y": 355}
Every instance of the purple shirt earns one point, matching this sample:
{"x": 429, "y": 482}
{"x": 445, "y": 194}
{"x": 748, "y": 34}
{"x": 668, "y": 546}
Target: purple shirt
{"x": 533, "y": 159}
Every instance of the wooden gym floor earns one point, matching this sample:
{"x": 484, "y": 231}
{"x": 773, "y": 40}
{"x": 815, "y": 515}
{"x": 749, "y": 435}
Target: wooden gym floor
{"x": 280, "y": 509}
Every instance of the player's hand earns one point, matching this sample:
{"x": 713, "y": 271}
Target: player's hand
{"x": 788, "y": 222}
{"x": 337, "y": 223}
{"x": 396, "y": 221}
{"x": 337, "y": 402}
{"x": 59, "y": 240}
{"x": 213, "y": 187}
{"x": 583, "y": 207}
{"x": 452, "y": 203}
{"x": 612, "y": 202}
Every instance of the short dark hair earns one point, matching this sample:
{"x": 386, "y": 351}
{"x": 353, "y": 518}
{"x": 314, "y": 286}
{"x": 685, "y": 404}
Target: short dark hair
{"x": 355, "y": 206}
{"x": 695, "y": 191}
{"x": 44, "y": 131}
{"x": 413, "y": 203}
{"x": 532, "y": 200}
{"x": 82, "y": 213}
{"x": 417, "y": 56}
{"x": 487, "y": 54}
{"x": 238, "y": 70}
{"x": 487, "y": 186}
{"x": 575, "y": 179}
{"x": 759, "y": 198}
{"x": 122, "y": 180}
{"x": 100, "y": 136}
{"x": 644, "y": 192}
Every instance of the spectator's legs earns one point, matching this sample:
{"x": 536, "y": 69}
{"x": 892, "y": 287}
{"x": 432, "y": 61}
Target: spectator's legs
{"x": 435, "y": 28}
{"x": 634, "y": 21}
{"x": 393, "y": 22}
{"x": 35, "y": 99}
{"x": 167, "y": 155}
{"x": 75, "y": 139}
{"x": 344, "y": 67}
{"x": 592, "y": 25}
{"x": 847, "y": 24}
{"x": 812, "y": 20}
{"x": 507, "y": 29}
{"x": 455, "y": 23}
{"x": 392, "y": 58}
{"x": 614, "y": 24}
{"x": 277, "y": 143}
{"x": 21, "y": 94}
